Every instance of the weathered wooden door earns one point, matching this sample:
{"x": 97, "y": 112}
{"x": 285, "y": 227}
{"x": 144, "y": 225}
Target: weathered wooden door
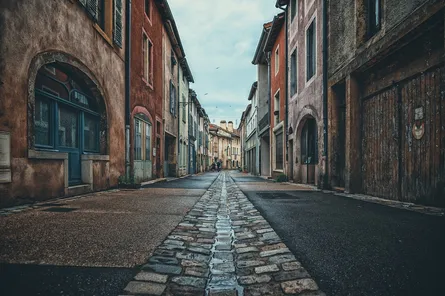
{"x": 403, "y": 140}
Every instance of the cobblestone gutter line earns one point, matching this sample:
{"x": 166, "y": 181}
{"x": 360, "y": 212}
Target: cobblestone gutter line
{"x": 223, "y": 247}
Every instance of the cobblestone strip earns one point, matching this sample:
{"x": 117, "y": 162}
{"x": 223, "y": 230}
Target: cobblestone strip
{"x": 180, "y": 265}
{"x": 223, "y": 247}
{"x": 264, "y": 265}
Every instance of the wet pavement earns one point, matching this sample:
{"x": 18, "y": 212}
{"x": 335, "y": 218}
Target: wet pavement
{"x": 223, "y": 246}
{"x": 354, "y": 247}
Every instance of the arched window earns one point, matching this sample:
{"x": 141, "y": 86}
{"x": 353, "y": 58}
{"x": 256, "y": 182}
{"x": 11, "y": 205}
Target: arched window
{"x": 66, "y": 118}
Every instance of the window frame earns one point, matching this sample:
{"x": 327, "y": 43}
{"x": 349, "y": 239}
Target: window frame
{"x": 311, "y": 50}
{"x": 147, "y": 60}
{"x": 141, "y": 151}
{"x": 372, "y": 12}
{"x": 294, "y": 72}
{"x": 294, "y": 9}
{"x": 277, "y": 60}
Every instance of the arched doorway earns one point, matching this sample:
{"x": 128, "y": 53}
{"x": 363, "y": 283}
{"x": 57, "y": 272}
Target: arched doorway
{"x": 67, "y": 116}
{"x": 309, "y": 150}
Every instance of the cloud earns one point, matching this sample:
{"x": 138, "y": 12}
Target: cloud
{"x": 224, "y": 34}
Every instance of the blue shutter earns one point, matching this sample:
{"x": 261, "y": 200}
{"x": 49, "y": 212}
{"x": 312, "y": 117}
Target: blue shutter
{"x": 117, "y": 30}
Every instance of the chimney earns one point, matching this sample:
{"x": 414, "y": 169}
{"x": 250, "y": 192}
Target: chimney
{"x": 231, "y": 126}
{"x": 222, "y": 124}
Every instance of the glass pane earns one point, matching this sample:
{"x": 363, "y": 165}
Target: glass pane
{"x": 91, "y": 134}
{"x": 137, "y": 140}
{"x": 41, "y": 122}
{"x": 147, "y": 141}
{"x": 68, "y": 133}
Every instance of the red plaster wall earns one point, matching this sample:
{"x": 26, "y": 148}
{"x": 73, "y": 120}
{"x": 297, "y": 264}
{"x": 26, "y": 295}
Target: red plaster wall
{"x": 278, "y": 81}
{"x": 142, "y": 94}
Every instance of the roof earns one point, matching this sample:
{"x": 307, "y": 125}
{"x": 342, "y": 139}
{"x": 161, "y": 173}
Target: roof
{"x": 186, "y": 70}
{"x": 259, "y": 57}
{"x": 172, "y": 29}
{"x": 277, "y": 24}
{"x": 282, "y": 3}
{"x": 252, "y": 90}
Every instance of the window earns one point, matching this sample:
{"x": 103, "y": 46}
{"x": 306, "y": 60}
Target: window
{"x": 142, "y": 138}
{"x": 173, "y": 61}
{"x": 293, "y": 73}
{"x": 279, "y": 150}
{"x": 277, "y": 107}
{"x": 374, "y": 17}
{"x": 147, "y": 8}
{"x": 91, "y": 134}
{"x": 172, "y": 98}
{"x": 184, "y": 107}
{"x": 147, "y": 52}
{"x": 293, "y": 9}
{"x": 277, "y": 60}
{"x": 108, "y": 16}
{"x": 42, "y": 122}
{"x": 310, "y": 51}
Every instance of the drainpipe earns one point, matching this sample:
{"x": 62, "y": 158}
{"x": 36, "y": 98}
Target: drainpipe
{"x": 269, "y": 94}
{"x": 179, "y": 122}
{"x": 325, "y": 93}
{"x": 127, "y": 85}
{"x": 286, "y": 117}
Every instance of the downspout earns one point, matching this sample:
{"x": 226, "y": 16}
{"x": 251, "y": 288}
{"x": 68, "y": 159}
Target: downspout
{"x": 286, "y": 117}
{"x": 179, "y": 124}
{"x": 127, "y": 86}
{"x": 325, "y": 94}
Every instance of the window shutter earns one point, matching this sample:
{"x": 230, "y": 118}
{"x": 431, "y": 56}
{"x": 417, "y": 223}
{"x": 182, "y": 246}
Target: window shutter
{"x": 117, "y": 32}
{"x": 92, "y": 6}
{"x": 83, "y": 2}
{"x": 171, "y": 97}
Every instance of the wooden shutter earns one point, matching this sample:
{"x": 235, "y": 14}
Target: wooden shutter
{"x": 92, "y": 6}
{"x": 117, "y": 31}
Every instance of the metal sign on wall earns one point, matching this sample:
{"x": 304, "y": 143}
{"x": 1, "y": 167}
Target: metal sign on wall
{"x": 5, "y": 157}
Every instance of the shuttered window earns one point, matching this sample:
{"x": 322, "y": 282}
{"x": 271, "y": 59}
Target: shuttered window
{"x": 172, "y": 98}
{"x": 310, "y": 51}
{"x": 117, "y": 30}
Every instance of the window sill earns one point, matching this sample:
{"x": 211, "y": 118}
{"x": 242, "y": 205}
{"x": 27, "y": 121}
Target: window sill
{"x": 47, "y": 154}
{"x": 150, "y": 85}
{"x": 103, "y": 34}
{"x": 95, "y": 157}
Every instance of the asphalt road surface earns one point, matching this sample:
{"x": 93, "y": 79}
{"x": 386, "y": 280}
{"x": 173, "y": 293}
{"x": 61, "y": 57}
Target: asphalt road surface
{"x": 353, "y": 247}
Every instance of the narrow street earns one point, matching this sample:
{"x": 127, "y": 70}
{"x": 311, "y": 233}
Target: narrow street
{"x": 210, "y": 235}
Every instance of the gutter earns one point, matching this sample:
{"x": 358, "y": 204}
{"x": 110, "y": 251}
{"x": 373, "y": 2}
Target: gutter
{"x": 127, "y": 86}
{"x": 286, "y": 118}
{"x": 325, "y": 93}
{"x": 179, "y": 121}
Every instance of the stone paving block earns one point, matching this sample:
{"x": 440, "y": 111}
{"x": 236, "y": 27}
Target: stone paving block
{"x": 267, "y": 268}
{"x": 205, "y": 240}
{"x": 273, "y": 247}
{"x": 281, "y": 258}
{"x": 249, "y": 263}
{"x": 163, "y": 260}
{"x": 173, "y": 242}
{"x": 225, "y": 256}
{"x": 298, "y": 286}
{"x": 151, "y": 277}
{"x": 291, "y": 275}
{"x": 199, "y": 250}
{"x": 247, "y": 250}
{"x": 178, "y": 290}
{"x": 190, "y": 281}
{"x": 193, "y": 256}
{"x": 193, "y": 263}
{"x": 145, "y": 288}
{"x": 224, "y": 281}
{"x": 165, "y": 253}
{"x": 226, "y": 267}
{"x": 197, "y": 271}
{"x": 291, "y": 265}
{"x": 200, "y": 245}
{"x": 254, "y": 279}
{"x": 265, "y": 289}
{"x": 274, "y": 252}
{"x": 161, "y": 268}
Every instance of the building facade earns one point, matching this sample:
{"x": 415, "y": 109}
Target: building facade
{"x": 275, "y": 48}
{"x": 63, "y": 101}
{"x": 386, "y": 85}
{"x": 146, "y": 91}
{"x": 263, "y": 107}
{"x": 185, "y": 78}
{"x": 252, "y": 144}
{"x": 305, "y": 101}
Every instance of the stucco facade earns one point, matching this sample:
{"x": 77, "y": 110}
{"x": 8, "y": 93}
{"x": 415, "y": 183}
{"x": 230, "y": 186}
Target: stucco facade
{"x": 147, "y": 87}
{"x": 69, "y": 40}
{"x": 305, "y": 102}
{"x": 276, "y": 48}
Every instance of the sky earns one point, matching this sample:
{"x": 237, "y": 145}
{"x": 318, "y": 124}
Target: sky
{"x": 220, "y": 38}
